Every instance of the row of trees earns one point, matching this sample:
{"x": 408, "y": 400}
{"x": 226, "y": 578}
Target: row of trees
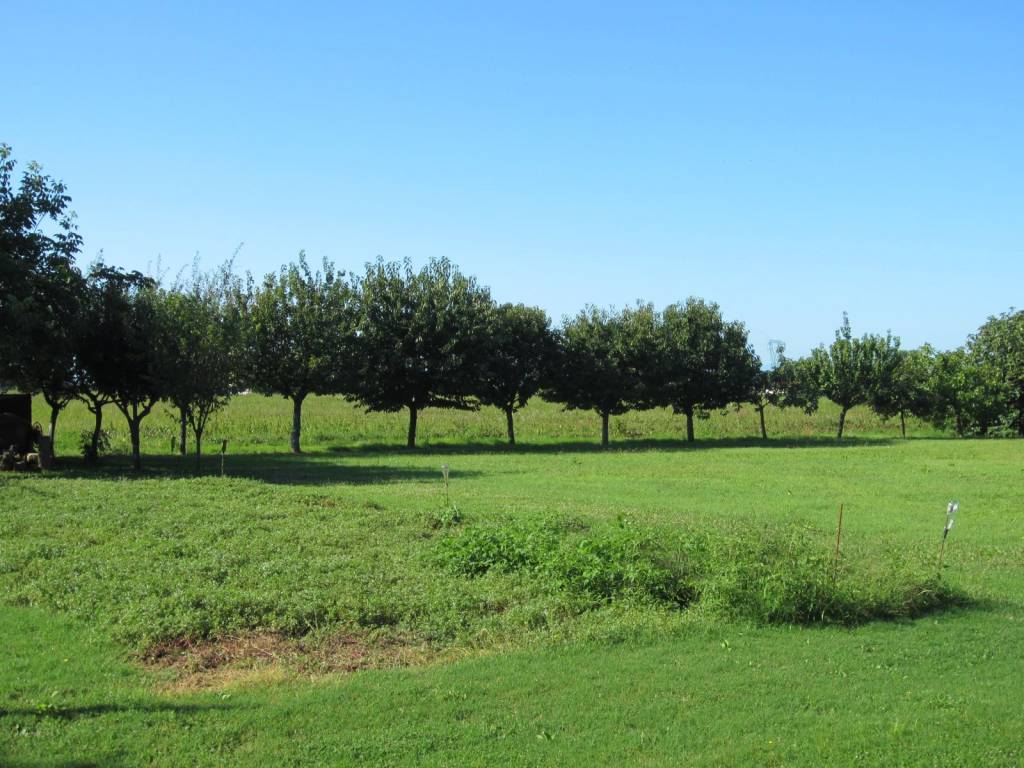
{"x": 396, "y": 338}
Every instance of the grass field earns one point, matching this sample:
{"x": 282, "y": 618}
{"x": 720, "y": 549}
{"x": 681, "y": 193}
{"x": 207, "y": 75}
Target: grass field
{"x": 651, "y": 604}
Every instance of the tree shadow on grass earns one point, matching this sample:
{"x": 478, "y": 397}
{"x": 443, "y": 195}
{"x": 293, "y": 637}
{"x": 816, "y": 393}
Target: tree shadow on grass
{"x": 96, "y": 710}
{"x": 328, "y": 467}
{"x": 668, "y": 445}
{"x": 320, "y": 468}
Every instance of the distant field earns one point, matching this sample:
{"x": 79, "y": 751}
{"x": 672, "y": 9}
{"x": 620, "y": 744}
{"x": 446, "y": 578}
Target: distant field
{"x": 650, "y": 604}
{"x": 257, "y": 423}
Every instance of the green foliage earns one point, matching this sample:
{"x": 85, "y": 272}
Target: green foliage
{"x": 124, "y": 350}
{"x": 423, "y": 338}
{"x": 203, "y": 324}
{"x": 704, "y": 363}
{"x": 790, "y": 384}
{"x": 40, "y": 287}
{"x": 519, "y": 350}
{"x": 93, "y": 444}
{"x": 446, "y": 517}
{"x": 998, "y": 347}
{"x": 599, "y": 362}
{"x": 787, "y": 576}
{"x": 902, "y": 385}
{"x": 966, "y": 393}
{"x": 622, "y": 562}
{"x": 850, "y": 370}
{"x": 770, "y": 576}
{"x": 299, "y": 331}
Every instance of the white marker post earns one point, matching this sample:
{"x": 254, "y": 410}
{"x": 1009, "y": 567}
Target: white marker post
{"x": 951, "y": 510}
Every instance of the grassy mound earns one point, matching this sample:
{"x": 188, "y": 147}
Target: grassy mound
{"x": 770, "y": 576}
{"x": 621, "y": 562}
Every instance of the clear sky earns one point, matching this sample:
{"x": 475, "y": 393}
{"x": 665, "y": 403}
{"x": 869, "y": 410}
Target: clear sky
{"x": 787, "y": 160}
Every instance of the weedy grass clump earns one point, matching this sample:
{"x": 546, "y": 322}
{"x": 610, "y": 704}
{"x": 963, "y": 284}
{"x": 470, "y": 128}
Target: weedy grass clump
{"x": 619, "y": 562}
{"x": 786, "y": 575}
{"x": 447, "y": 516}
{"x": 768, "y": 576}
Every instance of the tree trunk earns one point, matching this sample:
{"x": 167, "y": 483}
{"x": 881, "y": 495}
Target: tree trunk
{"x": 183, "y": 433}
{"x": 689, "y": 424}
{"x": 297, "y": 422}
{"x": 764, "y": 432}
{"x": 133, "y": 430}
{"x": 199, "y": 448}
{"x": 410, "y": 441}
{"x": 842, "y": 423}
{"x": 510, "y": 425}
{"x": 903, "y": 425}
{"x": 54, "y": 413}
{"x": 604, "y": 430}
{"x": 94, "y": 446}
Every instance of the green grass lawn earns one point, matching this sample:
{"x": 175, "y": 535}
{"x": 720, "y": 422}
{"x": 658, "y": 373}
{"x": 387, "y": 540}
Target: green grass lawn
{"x": 319, "y": 610}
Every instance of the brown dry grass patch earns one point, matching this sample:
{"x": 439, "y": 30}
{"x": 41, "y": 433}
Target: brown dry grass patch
{"x": 267, "y": 657}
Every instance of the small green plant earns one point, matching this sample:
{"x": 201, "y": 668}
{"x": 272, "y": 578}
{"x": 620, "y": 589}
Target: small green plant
{"x": 446, "y": 517}
{"x": 91, "y": 450}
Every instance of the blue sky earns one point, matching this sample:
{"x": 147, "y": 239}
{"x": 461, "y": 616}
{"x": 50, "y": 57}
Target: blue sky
{"x": 787, "y": 160}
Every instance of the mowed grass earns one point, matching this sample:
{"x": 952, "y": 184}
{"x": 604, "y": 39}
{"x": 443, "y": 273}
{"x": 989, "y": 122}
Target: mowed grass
{"x": 344, "y": 556}
{"x": 253, "y": 423}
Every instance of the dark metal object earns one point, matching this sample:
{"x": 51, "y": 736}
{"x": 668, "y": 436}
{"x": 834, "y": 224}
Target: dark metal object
{"x": 19, "y": 405}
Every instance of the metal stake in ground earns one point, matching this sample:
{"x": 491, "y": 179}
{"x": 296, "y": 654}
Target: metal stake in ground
{"x": 950, "y": 516}
{"x": 444, "y": 472}
{"x": 223, "y": 452}
{"x": 839, "y": 536}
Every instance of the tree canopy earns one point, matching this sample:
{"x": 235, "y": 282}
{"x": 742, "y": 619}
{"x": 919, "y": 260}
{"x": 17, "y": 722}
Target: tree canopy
{"x": 848, "y": 371}
{"x": 704, "y": 363}
{"x": 999, "y": 347}
{"x": 519, "y": 347}
{"x": 300, "y": 336}
{"x": 596, "y": 368}
{"x": 423, "y": 338}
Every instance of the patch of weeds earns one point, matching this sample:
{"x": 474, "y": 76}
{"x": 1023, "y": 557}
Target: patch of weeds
{"x": 90, "y": 452}
{"x": 319, "y": 501}
{"x": 446, "y": 517}
{"x": 771, "y": 576}
{"x": 620, "y": 562}
{"x": 787, "y": 576}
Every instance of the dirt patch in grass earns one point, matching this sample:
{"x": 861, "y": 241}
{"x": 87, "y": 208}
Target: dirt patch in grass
{"x": 262, "y": 657}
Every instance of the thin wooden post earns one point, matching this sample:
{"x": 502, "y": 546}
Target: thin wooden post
{"x": 839, "y": 536}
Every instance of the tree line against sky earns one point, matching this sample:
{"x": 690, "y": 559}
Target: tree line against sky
{"x": 396, "y": 338}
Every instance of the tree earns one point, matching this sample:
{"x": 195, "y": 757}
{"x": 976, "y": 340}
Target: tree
{"x": 787, "y": 385}
{"x": 423, "y": 338}
{"x": 599, "y": 361}
{"x": 966, "y": 393}
{"x": 848, "y": 370}
{"x": 300, "y": 336}
{"x": 126, "y": 355}
{"x": 902, "y": 386}
{"x": 999, "y": 345}
{"x": 519, "y": 347}
{"x": 40, "y": 287}
{"x": 95, "y": 349}
{"x": 704, "y": 363}
{"x": 202, "y": 320}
